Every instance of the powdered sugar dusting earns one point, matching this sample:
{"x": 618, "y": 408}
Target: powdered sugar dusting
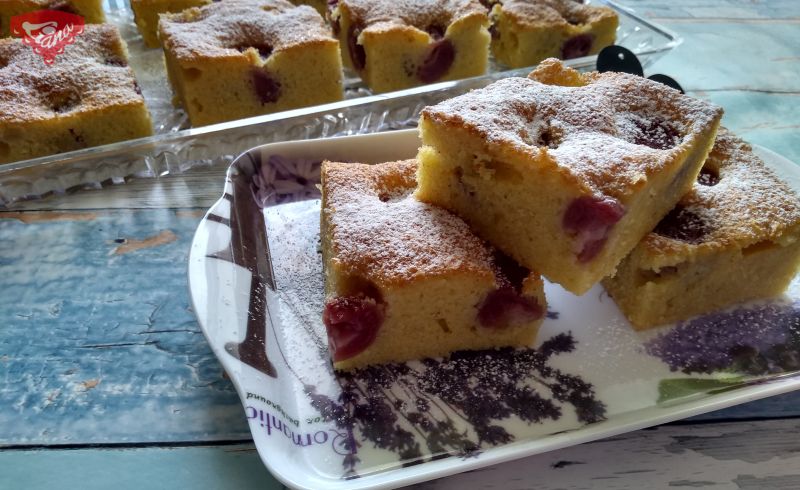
{"x": 747, "y": 205}
{"x": 554, "y": 12}
{"x": 380, "y": 231}
{"x": 422, "y": 14}
{"x": 220, "y": 28}
{"x": 609, "y": 131}
{"x": 92, "y": 73}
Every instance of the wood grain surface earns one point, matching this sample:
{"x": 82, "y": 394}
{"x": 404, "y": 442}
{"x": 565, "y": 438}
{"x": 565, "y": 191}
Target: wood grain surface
{"x": 742, "y": 455}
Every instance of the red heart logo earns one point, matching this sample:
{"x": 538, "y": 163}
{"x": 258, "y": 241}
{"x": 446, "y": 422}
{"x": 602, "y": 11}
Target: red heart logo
{"x": 47, "y": 32}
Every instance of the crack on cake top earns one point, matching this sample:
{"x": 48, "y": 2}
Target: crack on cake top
{"x": 376, "y": 15}
{"x": 600, "y": 143}
{"x": 379, "y": 230}
{"x": 218, "y": 29}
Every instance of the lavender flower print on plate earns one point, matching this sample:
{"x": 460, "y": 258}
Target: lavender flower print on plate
{"x": 754, "y": 340}
{"x": 748, "y": 344}
{"x": 282, "y": 179}
{"x": 457, "y": 403}
{"x": 256, "y": 284}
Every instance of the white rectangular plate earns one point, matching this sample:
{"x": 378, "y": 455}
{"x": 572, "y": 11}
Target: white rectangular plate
{"x": 256, "y": 283}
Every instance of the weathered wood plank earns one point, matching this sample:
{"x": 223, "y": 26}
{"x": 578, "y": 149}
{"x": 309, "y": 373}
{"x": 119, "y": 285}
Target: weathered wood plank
{"x": 99, "y": 344}
{"x": 747, "y": 455}
{"x": 716, "y": 9}
{"x": 751, "y": 455}
{"x": 196, "y": 468}
{"x": 755, "y": 58}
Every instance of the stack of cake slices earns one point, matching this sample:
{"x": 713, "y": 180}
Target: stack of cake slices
{"x": 581, "y": 178}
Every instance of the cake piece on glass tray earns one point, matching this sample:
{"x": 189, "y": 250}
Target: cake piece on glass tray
{"x": 90, "y": 10}
{"x": 87, "y": 97}
{"x": 408, "y": 280}
{"x": 525, "y": 32}
{"x": 397, "y": 44}
{"x": 243, "y": 58}
{"x": 565, "y": 176}
{"x": 734, "y": 237}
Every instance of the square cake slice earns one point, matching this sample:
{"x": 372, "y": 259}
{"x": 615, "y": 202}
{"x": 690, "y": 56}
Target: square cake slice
{"x": 87, "y": 97}
{"x": 408, "y": 280}
{"x": 244, "y": 58}
{"x": 146, "y": 12}
{"x": 395, "y": 45}
{"x": 734, "y": 237}
{"x": 524, "y": 32}
{"x": 564, "y": 179}
{"x": 90, "y": 10}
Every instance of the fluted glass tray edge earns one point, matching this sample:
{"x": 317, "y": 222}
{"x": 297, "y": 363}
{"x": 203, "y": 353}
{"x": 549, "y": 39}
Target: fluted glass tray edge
{"x": 175, "y": 152}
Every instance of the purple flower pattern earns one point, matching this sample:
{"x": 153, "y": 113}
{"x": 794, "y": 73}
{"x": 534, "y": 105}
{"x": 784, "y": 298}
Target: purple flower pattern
{"x": 754, "y": 340}
{"x": 282, "y": 179}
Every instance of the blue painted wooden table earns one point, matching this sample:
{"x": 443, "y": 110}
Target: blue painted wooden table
{"x": 106, "y": 379}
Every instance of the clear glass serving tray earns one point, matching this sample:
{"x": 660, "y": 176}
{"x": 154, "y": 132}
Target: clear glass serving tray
{"x": 176, "y": 148}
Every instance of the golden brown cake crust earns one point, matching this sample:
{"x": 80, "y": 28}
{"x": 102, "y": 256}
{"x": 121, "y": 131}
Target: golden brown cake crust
{"x": 379, "y": 230}
{"x": 224, "y": 28}
{"x": 91, "y": 74}
{"x": 533, "y": 13}
{"x": 379, "y": 15}
{"x": 590, "y": 134}
{"x": 749, "y": 204}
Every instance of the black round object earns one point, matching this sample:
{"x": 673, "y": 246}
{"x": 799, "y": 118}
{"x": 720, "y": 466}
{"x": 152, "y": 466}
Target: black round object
{"x": 666, "y": 80}
{"x": 617, "y": 58}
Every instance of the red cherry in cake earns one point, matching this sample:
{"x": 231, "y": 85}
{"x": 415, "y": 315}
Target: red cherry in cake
{"x": 590, "y": 219}
{"x": 440, "y": 57}
{"x": 505, "y": 307}
{"x": 357, "y": 54}
{"x": 266, "y": 86}
{"x": 708, "y": 177}
{"x": 577, "y": 46}
{"x": 352, "y": 323}
{"x": 682, "y": 224}
{"x": 655, "y": 133}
